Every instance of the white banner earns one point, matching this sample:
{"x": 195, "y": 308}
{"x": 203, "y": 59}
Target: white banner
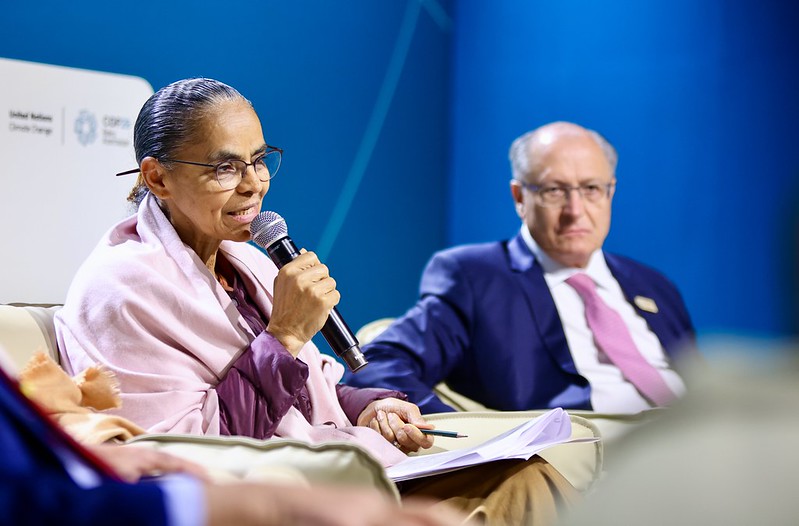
{"x": 64, "y": 133}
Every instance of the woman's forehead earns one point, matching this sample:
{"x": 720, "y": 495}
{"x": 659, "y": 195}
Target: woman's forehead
{"x": 230, "y": 126}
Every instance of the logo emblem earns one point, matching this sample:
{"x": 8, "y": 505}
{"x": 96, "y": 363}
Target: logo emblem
{"x": 86, "y": 127}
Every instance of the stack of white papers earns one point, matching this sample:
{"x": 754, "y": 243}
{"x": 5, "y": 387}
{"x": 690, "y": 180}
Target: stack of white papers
{"x": 521, "y": 442}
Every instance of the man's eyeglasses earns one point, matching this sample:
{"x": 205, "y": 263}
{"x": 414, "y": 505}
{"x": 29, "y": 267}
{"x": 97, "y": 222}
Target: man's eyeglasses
{"x": 230, "y": 172}
{"x": 556, "y": 196}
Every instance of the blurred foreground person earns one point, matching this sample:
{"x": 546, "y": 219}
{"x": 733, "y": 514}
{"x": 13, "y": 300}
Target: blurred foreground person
{"x": 726, "y": 454}
{"x": 48, "y": 478}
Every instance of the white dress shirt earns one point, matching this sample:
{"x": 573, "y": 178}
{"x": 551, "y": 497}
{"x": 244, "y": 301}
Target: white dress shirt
{"x": 610, "y": 391}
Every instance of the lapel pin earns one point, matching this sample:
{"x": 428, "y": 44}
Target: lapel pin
{"x": 647, "y": 304}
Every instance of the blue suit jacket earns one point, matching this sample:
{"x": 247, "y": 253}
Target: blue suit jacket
{"x": 486, "y": 324}
{"x": 36, "y": 489}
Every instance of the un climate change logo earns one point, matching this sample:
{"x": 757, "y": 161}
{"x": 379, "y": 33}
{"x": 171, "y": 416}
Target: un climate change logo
{"x": 86, "y": 127}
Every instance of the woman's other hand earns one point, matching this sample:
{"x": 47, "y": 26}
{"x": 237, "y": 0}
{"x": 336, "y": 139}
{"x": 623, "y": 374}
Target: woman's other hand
{"x": 304, "y": 295}
{"x": 399, "y": 422}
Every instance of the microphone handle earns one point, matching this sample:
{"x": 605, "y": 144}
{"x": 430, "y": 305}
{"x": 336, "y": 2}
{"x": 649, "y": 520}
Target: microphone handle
{"x": 335, "y": 330}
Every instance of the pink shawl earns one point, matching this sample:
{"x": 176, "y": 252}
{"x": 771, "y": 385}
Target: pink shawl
{"x": 146, "y": 307}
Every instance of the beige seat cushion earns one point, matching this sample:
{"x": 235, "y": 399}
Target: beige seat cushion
{"x": 369, "y": 331}
{"x": 276, "y": 460}
{"x": 611, "y": 426}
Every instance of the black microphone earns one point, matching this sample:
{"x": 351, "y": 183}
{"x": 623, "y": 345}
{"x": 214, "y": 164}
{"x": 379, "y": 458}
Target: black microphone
{"x": 269, "y": 231}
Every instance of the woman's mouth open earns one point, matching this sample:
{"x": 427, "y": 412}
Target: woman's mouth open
{"x": 245, "y": 215}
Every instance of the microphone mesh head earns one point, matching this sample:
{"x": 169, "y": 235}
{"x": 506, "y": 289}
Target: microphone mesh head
{"x": 268, "y": 227}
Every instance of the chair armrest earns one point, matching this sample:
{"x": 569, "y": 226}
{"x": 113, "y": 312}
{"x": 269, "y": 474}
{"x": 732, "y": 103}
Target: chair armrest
{"x": 26, "y": 329}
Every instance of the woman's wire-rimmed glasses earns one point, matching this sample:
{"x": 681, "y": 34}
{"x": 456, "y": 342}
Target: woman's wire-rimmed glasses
{"x": 230, "y": 172}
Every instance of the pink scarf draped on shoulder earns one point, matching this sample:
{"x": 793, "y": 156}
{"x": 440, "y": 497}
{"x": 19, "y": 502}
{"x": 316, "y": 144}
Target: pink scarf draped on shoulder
{"x": 146, "y": 307}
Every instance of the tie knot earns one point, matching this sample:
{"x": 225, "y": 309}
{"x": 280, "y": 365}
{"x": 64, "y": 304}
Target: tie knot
{"x": 582, "y": 284}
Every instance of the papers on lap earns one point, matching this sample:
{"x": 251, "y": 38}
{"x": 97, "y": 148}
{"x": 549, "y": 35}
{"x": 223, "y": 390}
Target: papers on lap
{"x": 521, "y": 442}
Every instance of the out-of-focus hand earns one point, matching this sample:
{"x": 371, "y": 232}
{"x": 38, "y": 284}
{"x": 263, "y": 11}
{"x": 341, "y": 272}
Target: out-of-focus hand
{"x": 132, "y": 463}
{"x": 399, "y": 422}
{"x": 304, "y": 295}
{"x": 265, "y": 505}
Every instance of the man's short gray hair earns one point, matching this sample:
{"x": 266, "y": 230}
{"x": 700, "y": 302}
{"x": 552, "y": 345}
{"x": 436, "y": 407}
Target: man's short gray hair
{"x": 519, "y": 153}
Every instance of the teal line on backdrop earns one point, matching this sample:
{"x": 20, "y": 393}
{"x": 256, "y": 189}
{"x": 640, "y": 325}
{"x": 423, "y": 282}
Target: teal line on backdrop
{"x": 437, "y": 13}
{"x": 376, "y": 121}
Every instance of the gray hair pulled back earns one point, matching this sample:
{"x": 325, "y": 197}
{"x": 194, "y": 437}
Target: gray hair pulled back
{"x": 170, "y": 118}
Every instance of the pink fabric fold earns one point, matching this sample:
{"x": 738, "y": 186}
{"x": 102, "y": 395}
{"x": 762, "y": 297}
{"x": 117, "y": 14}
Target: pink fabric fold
{"x": 146, "y": 307}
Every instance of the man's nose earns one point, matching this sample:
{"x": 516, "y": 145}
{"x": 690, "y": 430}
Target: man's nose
{"x": 574, "y": 202}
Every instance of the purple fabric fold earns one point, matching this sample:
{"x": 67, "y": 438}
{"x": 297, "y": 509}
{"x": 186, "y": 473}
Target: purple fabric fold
{"x": 260, "y": 388}
{"x": 266, "y": 381}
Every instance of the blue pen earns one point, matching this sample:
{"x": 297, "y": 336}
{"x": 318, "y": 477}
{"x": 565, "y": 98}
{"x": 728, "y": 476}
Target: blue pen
{"x": 439, "y": 433}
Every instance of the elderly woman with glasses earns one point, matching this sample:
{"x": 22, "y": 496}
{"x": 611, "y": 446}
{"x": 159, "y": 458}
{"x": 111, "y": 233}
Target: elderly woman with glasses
{"x": 184, "y": 312}
{"x": 204, "y": 333}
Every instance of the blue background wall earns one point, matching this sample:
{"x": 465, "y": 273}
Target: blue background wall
{"x": 356, "y": 93}
{"x": 396, "y": 117}
{"x": 701, "y": 98}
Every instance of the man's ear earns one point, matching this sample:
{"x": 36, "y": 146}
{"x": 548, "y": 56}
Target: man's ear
{"x": 153, "y": 174}
{"x": 518, "y": 198}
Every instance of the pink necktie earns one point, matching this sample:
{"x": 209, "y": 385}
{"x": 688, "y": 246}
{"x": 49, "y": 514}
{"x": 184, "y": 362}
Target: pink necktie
{"x": 613, "y": 338}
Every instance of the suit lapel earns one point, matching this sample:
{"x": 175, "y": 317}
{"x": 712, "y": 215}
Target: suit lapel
{"x": 633, "y": 288}
{"x": 542, "y": 306}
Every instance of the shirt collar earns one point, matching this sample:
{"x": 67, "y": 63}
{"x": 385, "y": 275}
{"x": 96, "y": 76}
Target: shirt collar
{"x": 556, "y": 273}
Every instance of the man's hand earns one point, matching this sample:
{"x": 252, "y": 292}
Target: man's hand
{"x": 132, "y": 462}
{"x": 266, "y": 505}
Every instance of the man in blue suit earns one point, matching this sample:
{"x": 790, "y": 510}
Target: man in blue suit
{"x": 47, "y": 478}
{"x": 503, "y": 324}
